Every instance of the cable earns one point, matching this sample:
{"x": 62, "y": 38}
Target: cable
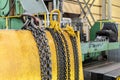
{"x": 4, "y": 5}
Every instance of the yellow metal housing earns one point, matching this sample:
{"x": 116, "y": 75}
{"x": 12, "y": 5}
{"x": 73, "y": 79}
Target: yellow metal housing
{"x": 19, "y": 58}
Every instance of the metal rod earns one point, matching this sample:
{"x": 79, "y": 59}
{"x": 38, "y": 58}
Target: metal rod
{"x": 84, "y": 12}
{"x": 54, "y": 4}
{"x": 89, "y": 8}
{"x": 103, "y": 9}
{"x": 109, "y": 9}
{"x": 61, "y": 5}
{"x": 89, "y": 11}
{"x": 85, "y": 7}
{"x": 61, "y": 8}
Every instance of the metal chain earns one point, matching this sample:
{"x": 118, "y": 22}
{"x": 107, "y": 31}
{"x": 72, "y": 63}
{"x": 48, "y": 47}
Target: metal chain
{"x": 76, "y": 58}
{"x": 44, "y": 50}
{"x": 61, "y": 57}
{"x": 68, "y": 55}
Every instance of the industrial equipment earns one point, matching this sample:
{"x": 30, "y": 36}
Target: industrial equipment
{"x": 109, "y": 32}
{"x": 51, "y": 53}
{"x": 103, "y": 32}
{"x": 39, "y": 49}
{"x": 56, "y": 58}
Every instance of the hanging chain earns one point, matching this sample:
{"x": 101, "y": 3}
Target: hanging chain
{"x": 61, "y": 57}
{"x": 62, "y": 51}
{"x": 68, "y": 55}
{"x": 44, "y": 50}
{"x": 76, "y": 58}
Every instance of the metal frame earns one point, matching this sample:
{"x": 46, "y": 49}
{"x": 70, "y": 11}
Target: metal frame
{"x": 109, "y": 9}
{"x": 103, "y": 9}
{"x": 88, "y": 10}
{"x": 84, "y": 12}
{"x": 91, "y": 47}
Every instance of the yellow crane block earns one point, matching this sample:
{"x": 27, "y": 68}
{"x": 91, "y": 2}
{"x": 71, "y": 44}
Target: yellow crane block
{"x": 19, "y": 58}
{"x": 53, "y": 55}
{"x": 80, "y": 57}
{"x": 72, "y": 71}
{"x": 118, "y": 78}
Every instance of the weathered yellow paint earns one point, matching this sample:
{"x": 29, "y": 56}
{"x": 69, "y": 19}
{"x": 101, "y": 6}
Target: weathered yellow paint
{"x": 72, "y": 71}
{"x": 53, "y": 55}
{"x": 77, "y": 36}
{"x": 65, "y": 54}
{"x": 19, "y": 58}
{"x": 118, "y": 78}
{"x": 80, "y": 57}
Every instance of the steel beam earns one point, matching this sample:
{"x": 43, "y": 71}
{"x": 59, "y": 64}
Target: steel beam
{"x": 89, "y": 11}
{"x": 91, "y": 47}
{"x": 54, "y": 4}
{"x": 109, "y": 9}
{"x": 103, "y": 9}
{"x": 84, "y": 12}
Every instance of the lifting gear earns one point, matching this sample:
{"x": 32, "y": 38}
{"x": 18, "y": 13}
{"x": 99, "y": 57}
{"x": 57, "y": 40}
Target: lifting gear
{"x": 59, "y": 49}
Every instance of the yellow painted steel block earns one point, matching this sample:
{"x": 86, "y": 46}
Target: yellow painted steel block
{"x": 53, "y": 55}
{"x": 80, "y": 57}
{"x": 19, "y": 58}
{"x": 72, "y": 72}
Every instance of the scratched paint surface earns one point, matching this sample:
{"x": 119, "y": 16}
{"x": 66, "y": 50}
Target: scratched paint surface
{"x": 19, "y": 59}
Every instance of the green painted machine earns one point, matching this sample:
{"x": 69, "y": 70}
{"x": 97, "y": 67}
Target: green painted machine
{"x": 9, "y": 14}
{"x": 11, "y": 10}
{"x": 96, "y": 47}
{"x": 97, "y": 27}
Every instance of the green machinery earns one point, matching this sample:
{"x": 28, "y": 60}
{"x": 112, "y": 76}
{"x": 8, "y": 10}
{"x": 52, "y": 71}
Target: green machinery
{"x": 10, "y": 11}
{"x": 93, "y": 49}
{"x": 10, "y": 19}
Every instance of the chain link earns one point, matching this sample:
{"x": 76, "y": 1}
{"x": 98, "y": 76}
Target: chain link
{"x": 76, "y": 58}
{"x": 61, "y": 57}
{"x": 68, "y": 55}
{"x": 44, "y": 50}
{"x": 62, "y": 51}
